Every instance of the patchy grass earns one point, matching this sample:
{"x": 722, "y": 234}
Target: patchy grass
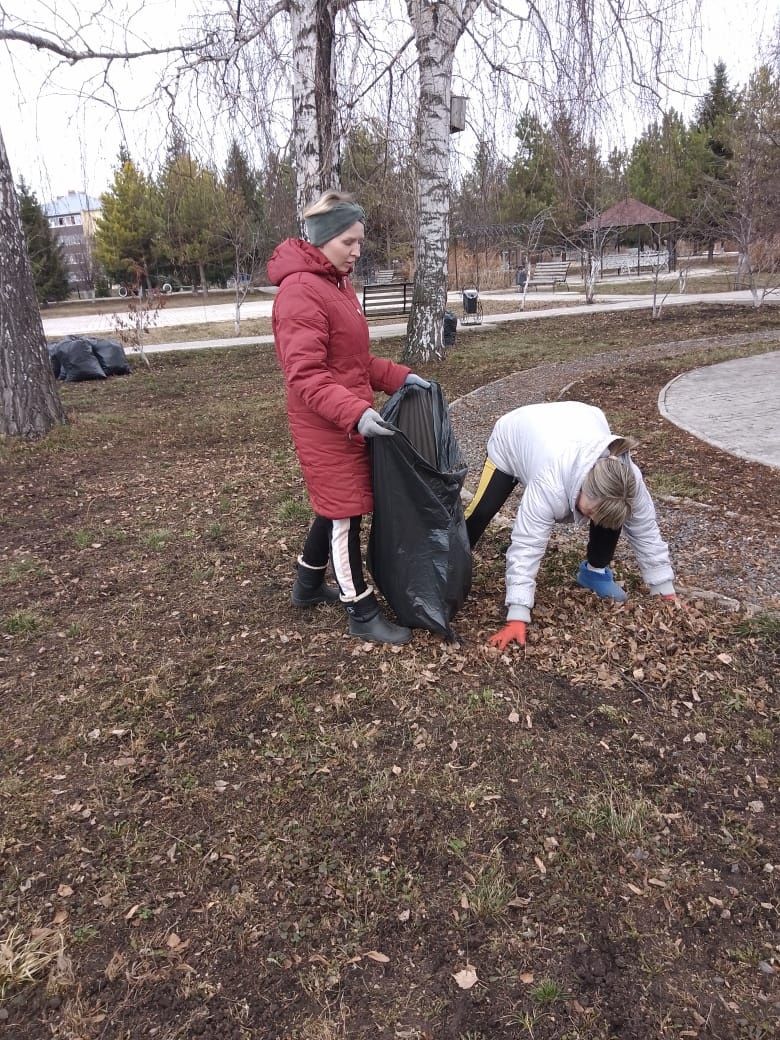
{"x": 765, "y": 626}
{"x": 677, "y": 484}
{"x": 27, "y": 958}
{"x": 17, "y": 570}
{"x": 22, "y": 622}
{"x": 233, "y": 821}
{"x": 614, "y": 813}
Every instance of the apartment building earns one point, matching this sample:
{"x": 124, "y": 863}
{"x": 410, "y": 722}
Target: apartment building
{"x": 72, "y": 219}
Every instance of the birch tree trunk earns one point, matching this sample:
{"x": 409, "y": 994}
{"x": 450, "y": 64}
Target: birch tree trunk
{"x": 315, "y": 130}
{"x": 437, "y": 28}
{"x": 29, "y": 403}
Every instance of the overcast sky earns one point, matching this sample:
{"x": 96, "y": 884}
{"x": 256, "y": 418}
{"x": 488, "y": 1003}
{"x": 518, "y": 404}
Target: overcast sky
{"x": 58, "y": 143}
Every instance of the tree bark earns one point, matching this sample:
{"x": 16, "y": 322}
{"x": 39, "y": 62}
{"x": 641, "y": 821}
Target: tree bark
{"x": 437, "y": 29}
{"x": 29, "y": 403}
{"x": 315, "y": 134}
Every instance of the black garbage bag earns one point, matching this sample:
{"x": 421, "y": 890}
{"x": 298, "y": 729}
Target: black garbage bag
{"x": 77, "y": 360}
{"x": 418, "y": 549}
{"x": 55, "y": 360}
{"x": 111, "y": 356}
{"x": 449, "y": 329}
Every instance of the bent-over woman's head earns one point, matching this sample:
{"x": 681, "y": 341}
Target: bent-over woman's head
{"x": 333, "y": 212}
{"x": 609, "y": 489}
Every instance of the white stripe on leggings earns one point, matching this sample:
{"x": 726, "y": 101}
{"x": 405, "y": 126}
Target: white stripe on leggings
{"x": 339, "y": 554}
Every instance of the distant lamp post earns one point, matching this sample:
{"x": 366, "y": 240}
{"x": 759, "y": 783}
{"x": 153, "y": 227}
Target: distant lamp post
{"x": 457, "y": 113}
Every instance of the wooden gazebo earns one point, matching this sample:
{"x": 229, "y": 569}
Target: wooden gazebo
{"x": 631, "y": 213}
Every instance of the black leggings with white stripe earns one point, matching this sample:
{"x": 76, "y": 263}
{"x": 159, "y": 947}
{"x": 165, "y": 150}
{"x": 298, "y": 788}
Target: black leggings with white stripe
{"x": 338, "y": 540}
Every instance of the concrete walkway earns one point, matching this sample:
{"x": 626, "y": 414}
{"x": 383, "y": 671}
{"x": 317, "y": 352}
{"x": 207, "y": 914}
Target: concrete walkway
{"x": 734, "y": 405}
{"x": 213, "y": 313}
{"x": 574, "y": 306}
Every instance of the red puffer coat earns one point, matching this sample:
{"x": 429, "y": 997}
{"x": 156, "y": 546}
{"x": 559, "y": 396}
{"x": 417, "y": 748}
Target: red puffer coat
{"x": 321, "y": 339}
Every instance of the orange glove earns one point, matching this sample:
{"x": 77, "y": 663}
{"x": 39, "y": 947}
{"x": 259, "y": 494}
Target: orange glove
{"x": 512, "y": 632}
{"x": 669, "y": 595}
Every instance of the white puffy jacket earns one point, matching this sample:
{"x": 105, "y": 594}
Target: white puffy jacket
{"x": 549, "y": 448}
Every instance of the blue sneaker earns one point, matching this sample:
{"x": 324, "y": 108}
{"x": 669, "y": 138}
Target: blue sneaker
{"x": 602, "y": 584}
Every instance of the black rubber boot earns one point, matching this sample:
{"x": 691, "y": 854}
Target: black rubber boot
{"x": 310, "y": 588}
{"x": 367, "y": 622}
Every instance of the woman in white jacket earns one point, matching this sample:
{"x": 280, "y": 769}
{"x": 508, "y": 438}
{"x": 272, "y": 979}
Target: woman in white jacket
{"x": 572, "y": 468}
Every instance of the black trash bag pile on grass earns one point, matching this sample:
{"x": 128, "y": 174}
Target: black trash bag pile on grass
{"x": 76, "y": 358}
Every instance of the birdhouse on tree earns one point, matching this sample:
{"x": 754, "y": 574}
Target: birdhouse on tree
{"x": 457, "y": 113}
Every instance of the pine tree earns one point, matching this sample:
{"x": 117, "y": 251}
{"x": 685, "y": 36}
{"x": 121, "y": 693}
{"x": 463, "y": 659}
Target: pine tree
{"x": 371, "y": 172}
{"x": 716, "y": 109}
{"x": 670, "y": 167}
{"x": 531, "y": 177}
{"x": 241, "y": 179}
{"x": 127, "y": 231}
{"x": 278, "y": 186}
{"x": 193, "y": 209}
{"x": 714, "y": 121}
{"x": 48, "y": 268}
{"x": 482, "y": 197}
{"x": 752, "y": 217}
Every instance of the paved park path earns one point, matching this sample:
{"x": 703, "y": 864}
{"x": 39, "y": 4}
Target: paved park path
{"x": 735, "y": 408}
{"x": 734, "y": 405}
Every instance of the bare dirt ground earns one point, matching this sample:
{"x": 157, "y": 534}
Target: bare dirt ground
{"x": 220, "y": 817}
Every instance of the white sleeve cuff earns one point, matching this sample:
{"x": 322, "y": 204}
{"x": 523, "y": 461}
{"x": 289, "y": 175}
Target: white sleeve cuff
{"x": 517, "y": 612}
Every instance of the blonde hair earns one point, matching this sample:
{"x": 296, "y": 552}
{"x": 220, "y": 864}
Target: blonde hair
{"x": 611, "y": 485}
{"x": 620, "y": 445}
{"x": 326, "y": 202}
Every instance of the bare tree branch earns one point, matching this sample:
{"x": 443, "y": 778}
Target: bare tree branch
{"x": 89, "y": 54}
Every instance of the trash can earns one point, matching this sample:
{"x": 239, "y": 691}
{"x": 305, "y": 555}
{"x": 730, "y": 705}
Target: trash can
{"x": 450, "y": 329}
{"x": 472, "y": 308}
{"x": 521, "y": 277}
{"x": 470, "y": 298}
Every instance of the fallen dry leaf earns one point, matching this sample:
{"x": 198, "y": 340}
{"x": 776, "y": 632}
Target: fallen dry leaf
{"x": 467, "y": 977}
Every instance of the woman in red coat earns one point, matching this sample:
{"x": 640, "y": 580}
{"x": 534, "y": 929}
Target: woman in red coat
{"x": 322, "y": 341}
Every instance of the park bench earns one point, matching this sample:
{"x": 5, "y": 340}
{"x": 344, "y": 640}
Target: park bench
{"x": 633, "y": 262}
{"x": 384, "y": 298}
{"x": 549, "y": 272}
{"x": 653, "y": 259}
{"x": 620, "y": 262}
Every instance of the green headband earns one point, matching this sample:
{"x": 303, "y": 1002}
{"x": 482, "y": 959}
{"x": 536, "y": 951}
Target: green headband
{"x": 322, "y": 227}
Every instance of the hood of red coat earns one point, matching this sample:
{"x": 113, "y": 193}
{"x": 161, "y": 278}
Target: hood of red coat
{"x": 294, "y": 256}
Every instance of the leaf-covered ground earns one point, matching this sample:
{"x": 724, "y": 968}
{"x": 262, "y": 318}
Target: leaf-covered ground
{"x": 223, "y": 818}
